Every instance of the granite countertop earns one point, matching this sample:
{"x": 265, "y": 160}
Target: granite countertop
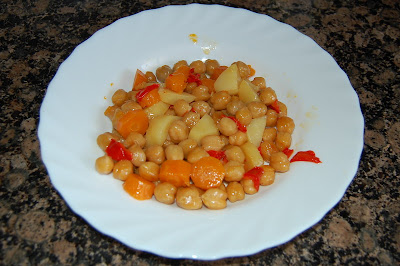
{"x": 38, "y": 228}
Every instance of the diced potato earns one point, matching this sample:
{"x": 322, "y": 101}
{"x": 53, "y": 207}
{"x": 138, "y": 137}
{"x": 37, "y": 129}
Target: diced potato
{"x": 228, "y": 80}
{"x": 170, "y": 97}
{"x": 247, "y": 93}
{"x": 255, "y": 130}
{"x": 205, "y": 127}
{"x": 252, "y": 155}
{"x": 156, "y": 109}
{"x": 158, "y": 129}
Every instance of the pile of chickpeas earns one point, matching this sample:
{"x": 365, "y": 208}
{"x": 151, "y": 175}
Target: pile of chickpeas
{"x": 147, "y": 160}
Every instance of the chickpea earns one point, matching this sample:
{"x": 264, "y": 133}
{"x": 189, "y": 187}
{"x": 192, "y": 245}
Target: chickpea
{"x": 188, "y": 198}
{"x": 282, "y": 109}
{"x": 268, "y": 176}
{"x": 196, "y": 154}
{"x": 238, "y": 139}
{"x": 211, "y": 65}
{"x": 235, "y": 153}
{"x": 257, "y": 109}
{"x": 214, "y": 143}
{"x": 167, "y": 142}
{"x": 234, "y": 171}
{"x": 268, "y": 148}
{"x": 122, "y": 169}
{"x": 132, "y": 95}
{"x": 285, "y": 124}
{"x": 222, "y": 187}
{"x": 135, "y": 138}
{"x": 259, "y": 82}
{"x": 216, "y": 115}
{"x": 103, "y": 140}
{"x": 179, "y": 64}
{"x": 280, "y": 162}
{"x": 191, "y": 119}
{"x": 110, "y": 111}
{"x": 202, "y": 93}
{"x": 198, "y": 66}
{"x": 227, "y": 126}
{"x": 225, "y": 140}
{"x": 149, "y": 171}
{"x": 130, "y": 105}
{"x": 178, "y": 131}
{"x": 220, "y": 100}
{"x": 283, "y": 140}
{"x": 187, "y": 146}
{"x": 244, "y": 116}
{"x": 174, "y": 152}
{"x": 244, "y": 70}
{"x": 269, "y": 134}
{"x": 165, "y": 193}
{"x": 201, "y": 107}
{"x": 190, "y": 87}
{"x": 214, "y": 198}
{"x": 235, "y": 191}
{"x": 234, "y": 106}
{"x": 150, "y": 77}
{"x": 248, "y": 186}
{"x": 268, "y": 96}
{"x": 117, "y": 115}
{"x": 272, "y": 117}
{"x": 163, "y": 72}
{"x": 104, "y": 165}
{"x": 182, "y": 107}
{"x": 155, "y": 154}
{"x": 119, "y": 97}
{"x": 138, "y": 155}
{"x": 201, "y": 192}
{"x": 170, "y": 112}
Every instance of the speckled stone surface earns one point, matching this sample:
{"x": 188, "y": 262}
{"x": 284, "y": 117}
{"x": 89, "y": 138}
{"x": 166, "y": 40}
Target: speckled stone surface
{"x": 38, "y": 228}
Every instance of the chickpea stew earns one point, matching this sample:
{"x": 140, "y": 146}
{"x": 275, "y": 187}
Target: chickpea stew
{"x": 196, "y": 134}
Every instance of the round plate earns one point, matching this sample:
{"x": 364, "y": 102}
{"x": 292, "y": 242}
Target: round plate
{"x": 317, "y": 92}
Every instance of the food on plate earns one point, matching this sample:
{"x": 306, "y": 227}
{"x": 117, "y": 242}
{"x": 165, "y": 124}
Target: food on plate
{"x": 197, "y": 134}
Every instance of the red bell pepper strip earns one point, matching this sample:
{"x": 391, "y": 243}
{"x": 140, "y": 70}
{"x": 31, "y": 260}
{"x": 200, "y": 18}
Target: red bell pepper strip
{"x": 194, "y": 77}
{"x": 274, "y": 106}
{"x": 220, "y": 155}
{"x": 240, "y": 126}
{"x": 254, "y": 174}
{"x": 305, "y": 156}
{"x": 117, "y": 151}
{"x": 288, "y": 152}
{"x": 142, "y": 93}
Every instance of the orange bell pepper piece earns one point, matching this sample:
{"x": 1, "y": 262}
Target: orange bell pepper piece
{"x": 218, "y": 72}
{"x": 208, "y": 83}
{"x": 140, "y": 77}
{"x": 176, "y": 82}
{"x": 176, "y": 172}
{"x": 138, "y": 187}
{"x": 132, "y": 121}
{"x": 148, "y": 96}
{"x": 208, "y": 172}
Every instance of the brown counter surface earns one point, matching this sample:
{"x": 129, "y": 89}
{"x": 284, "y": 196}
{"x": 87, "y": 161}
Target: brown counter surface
{"x": 38, "y": 228}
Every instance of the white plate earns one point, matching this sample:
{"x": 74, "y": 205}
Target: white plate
{"x": 318, "y": 94}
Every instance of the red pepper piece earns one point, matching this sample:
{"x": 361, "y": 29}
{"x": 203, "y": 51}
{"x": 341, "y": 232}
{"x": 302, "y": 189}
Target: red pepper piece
{"x": 288, "y": 152}
{"x": 140, "y": 95}
{"x": 240, "y": 126}
{"x": 255, "y": 175}
{"x": 220, "y": 155}
{"x": 274, "y": 106}
{"x": 259, "y": 149}
{"x": 192, "y": 110}
{"x": 194, "y": 77}
{"x": 305, "y": 156}
{"x": 117, "y": 151}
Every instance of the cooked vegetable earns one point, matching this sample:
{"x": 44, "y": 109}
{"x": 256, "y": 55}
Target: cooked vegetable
{"x": 138, "y": 187}
{"x": 176, "y": 172}
{"x": 132, "y": 121}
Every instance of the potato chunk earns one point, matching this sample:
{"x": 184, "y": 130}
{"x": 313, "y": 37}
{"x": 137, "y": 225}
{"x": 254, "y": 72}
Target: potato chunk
{"x": 158, "y": 129}
{"x": 205, "y": 127}
{"x": 228, "y": 80}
